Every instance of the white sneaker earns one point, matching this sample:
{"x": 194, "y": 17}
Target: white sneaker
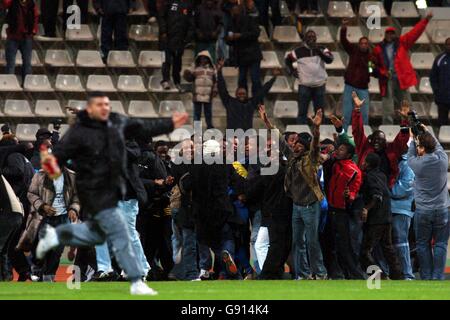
{"x": 165, "y": 85}
{"x": 139, "y": 288}
{"x": 47, "y": 242}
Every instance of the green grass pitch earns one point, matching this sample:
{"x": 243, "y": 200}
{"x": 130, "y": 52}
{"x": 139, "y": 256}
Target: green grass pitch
{"x": 232, "y": 290}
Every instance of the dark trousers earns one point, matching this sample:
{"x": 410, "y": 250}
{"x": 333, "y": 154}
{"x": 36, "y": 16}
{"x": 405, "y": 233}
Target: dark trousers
{"x": 443, "y": 109}
{"x": 280, "y": 239}
{"x": 152, "y": 9}
{"x": 9, "y": 225}
{"x": 305, "y": 96}
{"x": 51, "y": 260}
{"x": 263, "y": 9}
{"x": 198, "y": 112}
{"x": 114, "y": 24}
{"x": 173, "y": 59}
{"x": 84, "y": 8}
{"x": 156, "y": 233}
{"x": 348, "y": 262}
{"x": 380, "y": 234}
{"x": 255, "y": 75}
{"x": 303, "y": 4}
{"x": 25, "y": 47}
{"x": 49, "y": 16}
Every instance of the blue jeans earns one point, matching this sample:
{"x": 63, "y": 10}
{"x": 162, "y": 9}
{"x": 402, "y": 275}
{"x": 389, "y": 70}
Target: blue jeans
{"x": 255, "y": 75}
{"x": 305, "y": 96}
{"x": 256, "y": 224}
{"x": 347, "y": 104}
{"x": 25, "y": 47}
{"x": 305, "y": 240}
{"x": 189, "y": 259}
{"x": 400, "y": 228}
{"x": 432, "y": 225}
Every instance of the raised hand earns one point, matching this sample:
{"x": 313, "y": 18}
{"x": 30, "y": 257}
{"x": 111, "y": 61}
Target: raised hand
{"x": 404, "y": 109}
{"x": 429, "y": 15}
{"x": 179, "y": 118}
{"x": 337, "y": 123}
{"x": 317, "y": 120}
{"x": 358, "y": 102}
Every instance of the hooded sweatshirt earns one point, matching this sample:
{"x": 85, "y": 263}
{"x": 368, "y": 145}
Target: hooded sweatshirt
{"x": 204, "y": 78}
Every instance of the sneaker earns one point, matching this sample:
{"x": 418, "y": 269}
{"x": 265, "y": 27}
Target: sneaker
{"x": 165, "y": 85}
{"x": 204, "y": 275}
{"x": 139, "y": 288}
{"x": 47, "y": 242}
{"x": 324, "y": 277}
{"x": 101, "y": 276}
{"x": 229, "y": 263}
{"x": 250, "y": 276}
{"x": 179, "y": 88}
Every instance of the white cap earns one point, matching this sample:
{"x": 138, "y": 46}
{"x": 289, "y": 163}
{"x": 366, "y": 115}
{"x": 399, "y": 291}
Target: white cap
{"x": 211, "y": 146}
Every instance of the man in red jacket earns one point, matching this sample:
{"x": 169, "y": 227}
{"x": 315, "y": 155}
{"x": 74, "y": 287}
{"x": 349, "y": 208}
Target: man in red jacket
{"x": 395, "y": 72}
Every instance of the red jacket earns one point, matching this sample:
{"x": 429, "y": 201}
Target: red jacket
{"x": 21, "y": 31}
{"x": 342, "y": 173}
{"x": 394, "y": 149}
{"x": 402, "y": 64}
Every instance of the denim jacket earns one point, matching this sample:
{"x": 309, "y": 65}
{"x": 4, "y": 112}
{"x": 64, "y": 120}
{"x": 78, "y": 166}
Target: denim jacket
{"x": 402, "y": 192}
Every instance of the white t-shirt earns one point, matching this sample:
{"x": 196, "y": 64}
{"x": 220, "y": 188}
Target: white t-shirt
{"x": 59, "y": 203}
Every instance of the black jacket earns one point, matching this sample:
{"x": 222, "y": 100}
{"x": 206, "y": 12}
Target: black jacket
{"x": 375, "y": 186}
{"x": 99, "y": 156}
{"x": 114, "y": 6}
{"x": 184, "y": 217}
{"x": 176, "y": 20}
{"x": 135, "y": 187}
{"x": 246, "y": 49}
{"x": 240, "y": 114}
{"x": 207, "y": 23}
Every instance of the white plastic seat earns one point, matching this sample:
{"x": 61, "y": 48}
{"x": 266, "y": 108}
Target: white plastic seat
{"x": 323, "y": 34}
{"x": 375, "y": 109}
{"x": 433, "y": 113}
{"x": 340, "y": 9}
{"x": 364, "y": 7}
{"x": 154, "y": 85}
{"x": 423, "y": 39}
{"x": 120, "y": 59}
{"x": 141, "y": 109}
{"x": 35, "y": 61}
{"x": 18, "y": 108}
{"x": 131, "y": 84}
{"x": 404, "y": 9}
{"x": 440, "y": 35}
{"x": 9, "y": 82}
{"x": 37, "y": 83}
{"x": 425, "y": 86}
{"x": 374, "y": 86}
{"x": 337, "y": 63}
{"x": 76, "y": 104}
{"x": 48, "y": 108}
{"x": 419, "y": 107}
{"x": 100, "y": 83}
{"x": 390, "y": 131}
{"x": 263, "y": 37}
{"x": 185, "y": 132}
{"x": 89, "y": 59}
{"x": 150, "y": 59}
{"x": 298, "y": 128}
{"x": 117, "y": 107}
{"x": 68, "y": 83}
{"x": 326, "y": 131}
{"x": 354, "y": 33}
{"x": 139, "y": 9}
{"x": 367, "y": 130}
{"x": 281, "y": 85}
{"x": 62, "y": 131}
{"x": 188, "y": 57}
{"x": 285, "y": 109}
{"x": 286, "y": 34}
{"x": 143, "y": 32}
{"x": 335, "y": 85}
{"x": 82, "y": 34}
{"x": 168, "y": 107}
{"x": 4, "y": 27}
{"x": 26, "y": 132}
{"x": 270, "y": 60}
{"x": 377, "y": 35}
{"x": 422, "y": 60}
{"x": 444, "y": 134}
{"x": 217, "y": 108}
{"x": 58, "y": 58}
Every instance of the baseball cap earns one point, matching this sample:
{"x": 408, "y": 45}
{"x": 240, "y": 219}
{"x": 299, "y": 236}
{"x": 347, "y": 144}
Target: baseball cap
{"x": 390, "y": 29}
{"x": 42, "y": 132}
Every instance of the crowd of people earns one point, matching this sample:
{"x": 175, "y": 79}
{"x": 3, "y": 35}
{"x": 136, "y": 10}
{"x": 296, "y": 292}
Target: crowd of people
{"x": 333, "y": 208}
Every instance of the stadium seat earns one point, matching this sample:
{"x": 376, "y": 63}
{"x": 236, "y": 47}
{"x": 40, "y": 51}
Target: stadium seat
{"x": 326, "y": 131}
{"x": 120, "y": 59}
{"x": 374, "y": 86}
{"x": 217, "y": 108}
{"x": 376, "y": 35}
{"x": 4, "y": 27}
{"x": 444, "y": 134}
{"x": 48, "y": 108}
{"x": 335, "y": 85}
{"x": 35, "y": 61}
{"x": 188, "y": 57}
{"x": 404, "y": 9}
{"x": 141, "y": 109}
{"x": 285, "y": 109}
{"x": 131, "y": 84}
{"x": 139, "y": 9}
{"x": 425, "y": 86}
{"x": 364, "y": 11}
{"x": 423, "y": 39}
{"x": 263, "y": 37}
{"x": 323, "y": 34}
{"x": 422, "y": 60}
{"x": 440, "y": 35}
{"x": 281, "y": 85}
{"x": 298, "y": 128}
{"x": 154, "y": 85}
{"x": 375, "y": 109}
{"x": 270, "y": 60}
{"x": 337, "y": 63}
{"x": 144, "y": 32}
{"x": 354, "y": 33}
{"x": 68, "y": 83}
{"x": 340, "y": 9}
{"x": 367, "y": 130}
{"x": 89, "y": 59}
{"x": 62, "y": 131}
{"x": 419, "y": 107}
{"x": 168, "y": 107}
{"x": 26, "y": 132}
{"x": 58, "y": 58}
{"x": 433, "y": 113}
{"x": 390, "y": 131}
{"x": 117, "y": 107}
{"x": 286, "y": 34}
{"x": 18, "y": 108}
{"x": 9, "y": 82}
{"x": 100, "y": 83}
{"x": 82, "y": 34}
{"x": 185, "y": 132}
{"x": 37, "y": 83}
{"x": 76, "y": 104}
{"x": 150, "y": 59}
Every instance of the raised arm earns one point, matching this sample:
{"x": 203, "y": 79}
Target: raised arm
{"x": 222, "y": 86}
{"x": 357, "y": 125}
{"x": 315, "y": 147}
{"x": 154, "y": 127}
{"x": 259, "y": 96}
{"x": 348, "y": 47}
{"x": 410, "y": 38}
